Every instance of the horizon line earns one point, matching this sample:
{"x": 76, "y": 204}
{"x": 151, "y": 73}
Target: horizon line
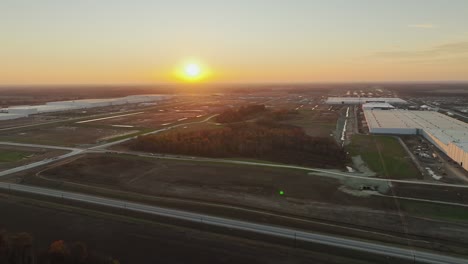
{"x": 233, "y": 83}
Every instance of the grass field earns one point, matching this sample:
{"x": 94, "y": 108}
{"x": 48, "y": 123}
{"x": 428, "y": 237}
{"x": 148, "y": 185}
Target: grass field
{"x": 12, "y": 155}
{"x": 384, "y": 155}
{"x": 251, "y": 186}
{"x": 316, "y": 123}
{"x": 443, "y": 212}
{"x": 214, "y": 188}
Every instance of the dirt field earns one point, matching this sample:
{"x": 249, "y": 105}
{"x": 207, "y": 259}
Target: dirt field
{"x": 222, "y": 189}
{"x": 318, "y": 122}
{"x": 132, "y": 241}
{"x": 205, "y": 181}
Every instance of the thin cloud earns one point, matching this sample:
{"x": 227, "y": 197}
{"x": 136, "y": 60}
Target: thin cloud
{"x": 427, "y": 26}
{"x": 455, "y": 48}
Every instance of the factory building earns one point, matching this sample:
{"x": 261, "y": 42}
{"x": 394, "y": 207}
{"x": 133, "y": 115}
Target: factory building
{"x": 59, "y": 106}
{"x": 22, "y": 110}
{"x": 377, "y": 106}
{"x": 447, "y": 134}
{"x": 85, "y": 103}
{"x": 363, "y": 100}
{"x": 8, "y": 116}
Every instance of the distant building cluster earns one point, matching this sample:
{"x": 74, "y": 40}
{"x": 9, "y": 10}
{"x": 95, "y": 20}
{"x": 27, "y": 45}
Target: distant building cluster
{"x": 448, "y": 134}
{"x": 15, "y": 112}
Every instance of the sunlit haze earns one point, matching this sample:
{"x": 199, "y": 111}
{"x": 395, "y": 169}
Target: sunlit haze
{"x": 144, "y": 41}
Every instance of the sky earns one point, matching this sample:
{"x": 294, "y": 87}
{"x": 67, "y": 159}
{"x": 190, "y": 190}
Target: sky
{"x": 145, "y": 41}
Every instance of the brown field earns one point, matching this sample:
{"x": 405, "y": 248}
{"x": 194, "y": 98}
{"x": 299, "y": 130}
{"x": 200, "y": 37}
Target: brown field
{"x": 140, "y": 241}
{"x": 209, "y": 181}
{"x": 318, "y": 122}
{"x": 213, "y": 187}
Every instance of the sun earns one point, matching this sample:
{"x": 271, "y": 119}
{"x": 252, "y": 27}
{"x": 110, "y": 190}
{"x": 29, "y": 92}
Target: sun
{"x": 192, "y": 71}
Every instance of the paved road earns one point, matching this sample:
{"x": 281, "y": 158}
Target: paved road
{"x": 36, "y": 146}
{"x": 77, "y": 151}
{"x": 251, "y": 163}
{"x": 421, "y": 200}
{"x": 287, "y": 233}
{"x": 110, "y": 144}
{"x": 63, "y": 120}
{"x": 163, "y": 104}
{"x": 105, "y": 118}
{"x": 101, "y": 148}
{"x": 40, "y": 163}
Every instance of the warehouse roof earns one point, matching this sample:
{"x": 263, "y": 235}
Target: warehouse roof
{"x": 413, "y": 119}
{"x": 8, "y": 115}
{"x": 363, "y": 100}
{"x": 377, "y": 105}
{"x": 443, "y": 127}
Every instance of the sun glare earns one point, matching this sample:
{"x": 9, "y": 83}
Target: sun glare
{"x": 192, "y": 71}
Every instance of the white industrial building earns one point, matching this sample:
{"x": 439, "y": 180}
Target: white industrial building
{"x": 8, "y": 116}
{"x": 448, "y": 134}
{"x": 23, "y": 111}
{"x": 377, "y": 106}
{"x": 363, "y": 100}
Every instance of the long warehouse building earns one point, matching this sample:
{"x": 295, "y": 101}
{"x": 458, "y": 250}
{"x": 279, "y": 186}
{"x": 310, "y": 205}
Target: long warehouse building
{"x": 15, "y": 112}
{"x": 448, "y": 134}
{"x": 363, "y": 100}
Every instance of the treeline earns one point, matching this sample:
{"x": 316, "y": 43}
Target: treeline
{"x": 264, "y": 140}
{"x": 18, "y": 248}
{"x": 241, "y": 114}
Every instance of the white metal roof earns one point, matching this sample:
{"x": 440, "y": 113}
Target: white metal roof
{"x": 83, "y": 103}
{"x": 443, "y": 127}
{"x": 377, "y": 105}
{"x": 363, "y": 100}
